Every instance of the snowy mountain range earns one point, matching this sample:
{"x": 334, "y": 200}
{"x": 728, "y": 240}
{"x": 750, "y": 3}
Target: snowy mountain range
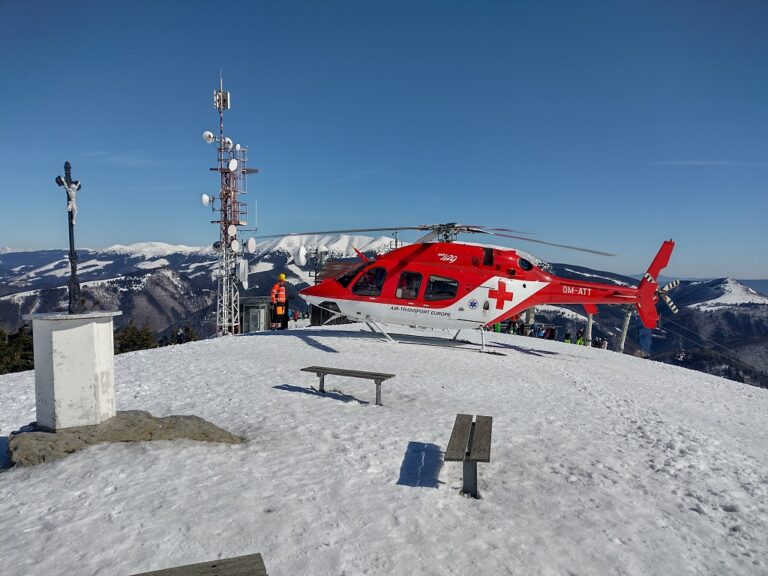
{"x": 153, "y": 283}
{"x": 722, "y": 326}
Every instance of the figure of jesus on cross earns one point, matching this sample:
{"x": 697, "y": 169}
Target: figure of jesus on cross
{"x": 72, "y": 187}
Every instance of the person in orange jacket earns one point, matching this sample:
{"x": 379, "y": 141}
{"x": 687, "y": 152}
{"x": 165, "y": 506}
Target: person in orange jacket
{"x": 279, "y": 303}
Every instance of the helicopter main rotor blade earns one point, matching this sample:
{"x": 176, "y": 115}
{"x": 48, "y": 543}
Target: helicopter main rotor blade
{"x": 509, "y": 230}
{"x": 552, "y": 244}
{"x": 345, "y": 231}
{"x": 435, "y": 230}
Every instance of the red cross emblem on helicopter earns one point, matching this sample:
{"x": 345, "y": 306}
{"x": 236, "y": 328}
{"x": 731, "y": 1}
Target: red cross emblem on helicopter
{"x": 500, "y": 295}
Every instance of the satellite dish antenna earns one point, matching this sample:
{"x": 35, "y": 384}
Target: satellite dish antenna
{"x": 228, "y": 143}
{"x": 251, "y": 245}
{"x": 322, "y": 249}
{"x": 208, "y": 136}
{"x": 232, "y": 230}
{"x": 217, "y": 246}
{"x": 235, "y": 245}
{"x": 300, "y": 256}
{"x": 205, "y": 199}
{"x": 237, "y": 147}
{"x": 232, "y": 165}
{"x": 242, "y": 271}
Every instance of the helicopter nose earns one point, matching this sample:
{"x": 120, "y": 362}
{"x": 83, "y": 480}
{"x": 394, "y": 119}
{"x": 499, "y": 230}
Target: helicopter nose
{"x": 312, "y": 294}
{"x": 310, "y": 291}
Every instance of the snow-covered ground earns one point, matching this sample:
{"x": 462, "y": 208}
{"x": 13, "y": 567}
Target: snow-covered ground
{"x": 600, "y": 464}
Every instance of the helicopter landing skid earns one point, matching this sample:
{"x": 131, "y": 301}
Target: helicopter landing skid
{"x": 371, "y": 323}
{"x": 453, "y": 343}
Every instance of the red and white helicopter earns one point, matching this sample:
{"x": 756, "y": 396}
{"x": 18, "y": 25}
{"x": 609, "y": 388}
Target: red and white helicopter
{"x": 455, "y": 285}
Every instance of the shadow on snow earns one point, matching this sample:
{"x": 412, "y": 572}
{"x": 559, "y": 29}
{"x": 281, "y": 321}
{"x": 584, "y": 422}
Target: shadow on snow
{"x": 310, "y": 336}
{"x": 421, "y": 465}
{"x": 332, "y": 394}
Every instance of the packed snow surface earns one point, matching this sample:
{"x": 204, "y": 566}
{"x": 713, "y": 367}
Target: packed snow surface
{"x": 600, "y": 464}
{"x": 734, "y": 293}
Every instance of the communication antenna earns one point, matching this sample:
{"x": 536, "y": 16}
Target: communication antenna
{"x": 231, "y": 214}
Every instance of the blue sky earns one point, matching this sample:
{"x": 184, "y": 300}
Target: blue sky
{"x": 612, "y": 125}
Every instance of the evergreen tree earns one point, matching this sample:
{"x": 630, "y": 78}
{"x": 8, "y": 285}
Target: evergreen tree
{"x": 147, "y": 338}
{"x": 5, "y": 352}
{"x": 189, "y": 334}
{"x": 131, "y": 338}
{"x": 16, "y": 351}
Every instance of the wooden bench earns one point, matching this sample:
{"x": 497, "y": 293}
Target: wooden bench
{"x": 377, "y": 377}
{"x": 470, "y": 443}
{"x": 250, "y": 565}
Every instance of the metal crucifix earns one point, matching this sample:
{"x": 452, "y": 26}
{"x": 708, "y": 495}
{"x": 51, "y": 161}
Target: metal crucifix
{"x": 72, "y": 187}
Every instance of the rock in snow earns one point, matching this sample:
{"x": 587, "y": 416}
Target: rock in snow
{"x": 30, "y": 447}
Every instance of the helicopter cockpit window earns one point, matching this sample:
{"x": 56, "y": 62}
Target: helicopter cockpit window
{"x": 440, "y": 288}
{"x": 408, "y": 285}
{"x": 347, "y": 277}
{"x": 524, "y": 264}
{"x": 370, "y": 283}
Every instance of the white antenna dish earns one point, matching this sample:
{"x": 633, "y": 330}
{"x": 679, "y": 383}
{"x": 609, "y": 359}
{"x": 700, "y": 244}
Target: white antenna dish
{"x": 322, "y": 249}
{"x": 232, "y": 230}
{"x": 237, "y": 147}
{"x": 235, "y": 245}
{"x": 208, "y": 136}
{"x": 232, "y": 165}
{"x": 251, "y": 245}
{"x": 242, "y": 271}
{"x": 300, "y": 256}
{"x": 205, "y": 199}
{"x": 228, "y": 143}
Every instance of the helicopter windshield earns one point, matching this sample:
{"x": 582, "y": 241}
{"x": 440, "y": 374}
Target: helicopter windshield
{"x": 349, "y": 275}
{"x": 370, "y": 282}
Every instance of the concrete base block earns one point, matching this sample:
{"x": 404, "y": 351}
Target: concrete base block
{"x": 74, "y": 368}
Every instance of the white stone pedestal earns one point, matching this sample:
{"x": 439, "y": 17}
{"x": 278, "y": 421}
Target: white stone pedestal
{"x": 74, "y": 368}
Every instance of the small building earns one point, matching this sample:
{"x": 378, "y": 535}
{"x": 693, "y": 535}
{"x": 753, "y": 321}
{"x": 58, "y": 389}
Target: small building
{"x": 254, "y": 314}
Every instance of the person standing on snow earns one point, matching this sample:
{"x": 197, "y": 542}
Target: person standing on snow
{"x": 279, "y": 303}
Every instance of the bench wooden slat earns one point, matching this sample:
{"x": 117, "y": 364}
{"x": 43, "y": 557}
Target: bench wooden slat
{"x": 351, "y": 373}
{"x": 250, "y": 565}
{"x": 457, "y": 445}
{"x": 481, "y": 440}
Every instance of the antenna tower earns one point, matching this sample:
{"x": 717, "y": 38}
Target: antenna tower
{"x": 231, "y": 214}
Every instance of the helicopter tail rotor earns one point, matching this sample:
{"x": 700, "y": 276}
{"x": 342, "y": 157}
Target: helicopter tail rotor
{"x": 649, "y": 292}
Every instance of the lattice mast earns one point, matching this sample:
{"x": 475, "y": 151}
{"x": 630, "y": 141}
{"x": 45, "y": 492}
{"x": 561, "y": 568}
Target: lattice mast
{"x": 232, "y": 214}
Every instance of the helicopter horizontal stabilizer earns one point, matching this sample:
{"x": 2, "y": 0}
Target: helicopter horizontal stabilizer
{"x": 648, "y": 289}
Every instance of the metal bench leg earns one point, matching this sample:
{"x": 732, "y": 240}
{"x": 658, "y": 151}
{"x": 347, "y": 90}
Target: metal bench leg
{"x": 322, "y": 383}
{"x": 469, "y": 486}
{"x": 378, "y": 392}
